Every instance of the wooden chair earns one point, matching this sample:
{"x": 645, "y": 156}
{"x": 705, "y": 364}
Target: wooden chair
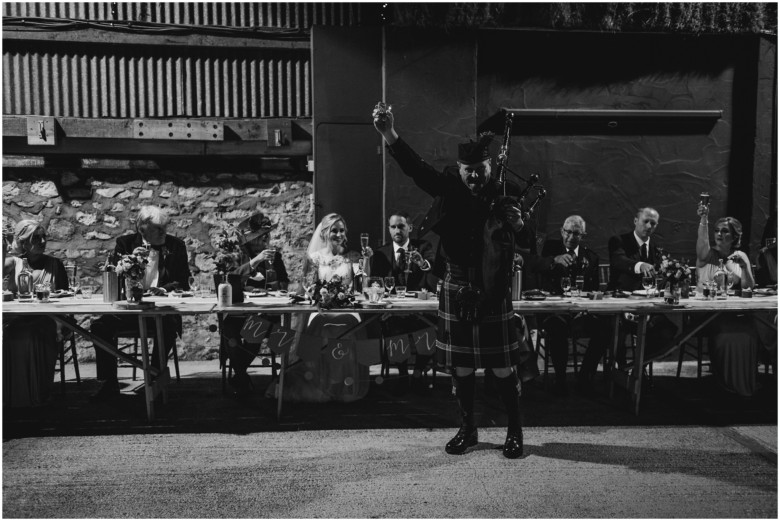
{"x": 68, "y": 343}
{"x": 134, "y": 336}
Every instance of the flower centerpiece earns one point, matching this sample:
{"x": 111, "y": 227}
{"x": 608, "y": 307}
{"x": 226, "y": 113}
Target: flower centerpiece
{"x": 674, "y": 273}
{"x": 133, "y": 267}
{"x": 332, "y": 294}
{"x": 228, "y": 254}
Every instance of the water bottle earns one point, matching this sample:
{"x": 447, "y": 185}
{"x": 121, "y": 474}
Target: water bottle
{"x": 25, "y": 283}
{"x": 225, "y": 293}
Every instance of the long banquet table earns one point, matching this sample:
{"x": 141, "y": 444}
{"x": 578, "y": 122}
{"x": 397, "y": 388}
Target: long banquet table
{"x": 156, "y": 381}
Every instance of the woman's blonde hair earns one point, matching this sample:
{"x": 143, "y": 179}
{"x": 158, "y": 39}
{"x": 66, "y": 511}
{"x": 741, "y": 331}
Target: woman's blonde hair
{"x": 327, "y": 223}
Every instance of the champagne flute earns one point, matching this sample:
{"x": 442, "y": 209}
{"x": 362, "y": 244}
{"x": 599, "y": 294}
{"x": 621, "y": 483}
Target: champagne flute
{"x": 194, "y": 283}
{"x": 648, "y": 282}
{"x": 389, "y": 284}
{"x": 565, "y": 284}
{"x": 363, "y": 241}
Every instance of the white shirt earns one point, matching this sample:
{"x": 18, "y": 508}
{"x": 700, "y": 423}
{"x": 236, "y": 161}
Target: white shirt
{"x": 152, "y": 275}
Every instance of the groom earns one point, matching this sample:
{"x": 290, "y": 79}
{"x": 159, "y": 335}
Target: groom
{"x": 476, "y": 320}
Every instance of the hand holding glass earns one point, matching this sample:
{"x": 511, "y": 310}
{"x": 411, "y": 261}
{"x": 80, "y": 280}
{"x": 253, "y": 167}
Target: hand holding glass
{"x": 648, "y": 282}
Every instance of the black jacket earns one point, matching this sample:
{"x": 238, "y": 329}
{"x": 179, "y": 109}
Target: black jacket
{"x": 383, "y": 264}
{"x": 550, "y": 273}
{"x": 623, "y": 256}
{"x": 174, "y": 262}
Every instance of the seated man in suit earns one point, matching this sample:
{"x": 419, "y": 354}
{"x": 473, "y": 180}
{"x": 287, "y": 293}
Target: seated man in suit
{"x": 631, "y": 256}
{"x": 567, "y": 256}
{"x": 409, "y": 261}
{"x": 168, "y": 269}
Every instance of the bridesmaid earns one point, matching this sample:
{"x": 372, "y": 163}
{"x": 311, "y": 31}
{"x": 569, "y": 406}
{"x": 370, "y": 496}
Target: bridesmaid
{"x": 31, "y": 342}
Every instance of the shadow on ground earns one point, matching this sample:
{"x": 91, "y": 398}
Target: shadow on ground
{"x": 197, "y": 404}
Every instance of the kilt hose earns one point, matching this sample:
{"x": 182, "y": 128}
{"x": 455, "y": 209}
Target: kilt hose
{"x": 488, "y": 343}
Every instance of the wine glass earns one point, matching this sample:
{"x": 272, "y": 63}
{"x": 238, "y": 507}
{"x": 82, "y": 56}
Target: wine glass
{"x": 731, "y": 280}
{"x": 579, "y": 282}
{"x": 565, "y": 284}
{"x": 194, "y": 283}
{"x": 648, "y": 282}
{"x": 389, "y": 284}
{"x": 363, "y": 241}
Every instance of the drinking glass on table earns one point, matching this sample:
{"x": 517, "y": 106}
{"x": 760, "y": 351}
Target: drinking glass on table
{"x": 580, "y": 284}
{"x": 648, "y": 282}
{"x": 389, "y": 284}
{"x": 194, "y": 283}
{"x": 565, "y": 284}
{"x": 400, "y": 291}
{"x": 87, "y": 291}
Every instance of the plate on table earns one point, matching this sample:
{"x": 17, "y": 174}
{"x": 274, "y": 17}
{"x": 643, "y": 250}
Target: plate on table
{"x": 643, "y": 293}
{"x": 763, "y": 292}
{"x": 261, "y": 293}
{"x": 378, "y": 305}
{"x": 535, "y": 294}
{"x": 181, "y": 294}
{"x": 61, "y": 293}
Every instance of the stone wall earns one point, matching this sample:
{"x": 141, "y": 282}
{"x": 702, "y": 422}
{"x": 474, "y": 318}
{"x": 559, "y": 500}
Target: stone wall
{"x": 84, "y": 230}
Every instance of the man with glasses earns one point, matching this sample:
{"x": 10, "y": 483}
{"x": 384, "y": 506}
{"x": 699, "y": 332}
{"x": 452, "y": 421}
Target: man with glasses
{"x": 568, "y": 257}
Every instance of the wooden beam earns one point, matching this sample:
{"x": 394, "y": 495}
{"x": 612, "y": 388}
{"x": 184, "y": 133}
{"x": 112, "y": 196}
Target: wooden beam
{"x": 122, "y": 128}
{"x": 92, "y": 147}
{"x": 119, "y": 36}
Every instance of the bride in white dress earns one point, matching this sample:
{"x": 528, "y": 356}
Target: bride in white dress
{"x": 329, "y": 379}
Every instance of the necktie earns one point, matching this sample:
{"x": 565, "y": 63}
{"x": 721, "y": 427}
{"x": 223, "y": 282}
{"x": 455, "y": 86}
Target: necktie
{"x": 643, "y": 252}
{"x": 401, "y": 259}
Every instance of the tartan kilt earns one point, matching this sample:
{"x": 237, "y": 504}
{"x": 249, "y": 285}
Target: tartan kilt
{"x": 490, "y": 343}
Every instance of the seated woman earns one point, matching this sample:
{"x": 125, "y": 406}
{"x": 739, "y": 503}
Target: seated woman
{"x": 733, "y": 343}
{"x": 256, "y": 259}
{"x": 327, "y": 378}
{"x": 30, "y": 342}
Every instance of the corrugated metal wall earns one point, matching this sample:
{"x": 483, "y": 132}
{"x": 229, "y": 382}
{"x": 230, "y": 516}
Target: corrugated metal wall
{"x": 125, "y": 81}
{"x": 228, "y": 14}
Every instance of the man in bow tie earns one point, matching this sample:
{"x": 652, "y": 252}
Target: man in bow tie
{"x": 167, "y": 270}
{"x": 409, "y": 261}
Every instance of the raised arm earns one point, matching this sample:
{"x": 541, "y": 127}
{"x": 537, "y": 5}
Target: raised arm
{"x": 703, "y": 237}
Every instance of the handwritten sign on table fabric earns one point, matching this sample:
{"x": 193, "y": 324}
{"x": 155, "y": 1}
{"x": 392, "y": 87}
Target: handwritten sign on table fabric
{"x": 425, "y": 341}
{"x": 256, "y": 329}
{"x": 398, "y": 348}
{"x": 281, "y": 339}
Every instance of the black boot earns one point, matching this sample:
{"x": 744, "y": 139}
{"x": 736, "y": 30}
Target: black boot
{"x": 510, "y": 395}
{"x": 467, "y": 434}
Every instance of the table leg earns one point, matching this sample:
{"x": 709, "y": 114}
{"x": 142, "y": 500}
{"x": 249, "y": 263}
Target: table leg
{"x": 148, "y": 391}
{"x": 286, "y": 322}
{"x": 613, "y": 358}
{"x": 158, "y": 322}
{"x": 639, "y": 361}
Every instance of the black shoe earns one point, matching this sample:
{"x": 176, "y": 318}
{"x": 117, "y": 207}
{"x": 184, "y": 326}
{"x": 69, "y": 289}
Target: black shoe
{"x": 108, "y": 391}
{"x": 560, "y": 388}
{"x": 513, "y": 446}
{"x": 241, "y": 383}
{"x": 401, "y": 386}
{"x": 419, "y": 386}
{"x": 465, "y": 438}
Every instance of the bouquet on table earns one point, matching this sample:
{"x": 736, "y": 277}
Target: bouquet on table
{"x": 228, "y": 254}
{"x": 332, "y": 294}
{"x": 676, "y": 274}
{"x": 133, "y": 267}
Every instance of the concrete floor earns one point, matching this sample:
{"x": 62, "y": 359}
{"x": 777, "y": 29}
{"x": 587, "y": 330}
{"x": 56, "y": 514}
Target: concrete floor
{"x": 692, "y": 452}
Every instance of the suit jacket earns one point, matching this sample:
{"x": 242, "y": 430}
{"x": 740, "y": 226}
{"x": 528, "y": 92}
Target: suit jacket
{"x": 383, "y": 264}
{"x": 550, "y": 273}
{"x": 245, "y": 270}
{"x": 174, "y": 262}
{"x": 623, "y": 256}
